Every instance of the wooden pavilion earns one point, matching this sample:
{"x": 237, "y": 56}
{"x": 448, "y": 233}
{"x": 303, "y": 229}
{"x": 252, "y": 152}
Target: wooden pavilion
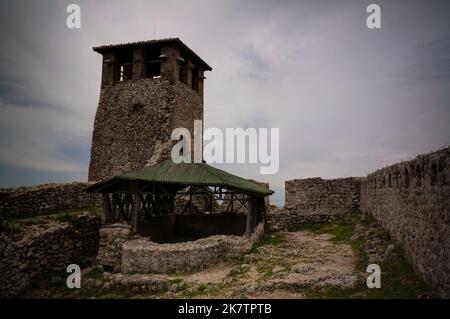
{"x": 153, "y": 191}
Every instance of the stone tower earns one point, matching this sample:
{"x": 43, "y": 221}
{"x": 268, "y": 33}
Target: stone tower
{"x": 147, "y": 89}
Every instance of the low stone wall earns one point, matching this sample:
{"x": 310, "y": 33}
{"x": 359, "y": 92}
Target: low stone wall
{"x": 321, "y": 196}
{"x": 112, "y": 238}
{"x": 43, "y": 248}
{"x": 38, "y": 199}
{"x": 412, "y": 201}
{"x": 122, "y": 251}
{"x": 145, "y": 256}
{"x": 282, "y": 219}
{"x": 315, "y": 200}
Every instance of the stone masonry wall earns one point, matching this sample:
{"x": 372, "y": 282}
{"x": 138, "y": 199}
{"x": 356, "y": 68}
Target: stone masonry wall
{"x": 112, "y": 238}
{"x": 320, "y": 196}
{"x": 134, "y": 122}
{"x": 121, "y": 251}
{"x": 44, "y": 248}
{"x": 412, "y": 201}
{"x": 38, "y": 199}
{"x": 145, "y": 256}
{"x": 282, "y": 219}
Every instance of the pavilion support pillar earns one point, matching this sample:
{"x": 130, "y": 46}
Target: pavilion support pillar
{"x": 260, "y": 211}
{"x": 136, "y": 211}
{"x": 255, "y": 214}
{"x": 114, "y": 206}
{"x": 106, "y": 209}
{"x": 252, "y": 207}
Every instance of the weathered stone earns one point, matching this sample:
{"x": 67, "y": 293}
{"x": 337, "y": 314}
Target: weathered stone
{"x": 145, "y": 256}
{"x": 321, "y": 196}
{"x": 411, "y": 200}
{"x": 127, "y": 138}
{"x": 25, "y": 260}
{"x": 39, "y": 199}
{"x": 112, "y": 237}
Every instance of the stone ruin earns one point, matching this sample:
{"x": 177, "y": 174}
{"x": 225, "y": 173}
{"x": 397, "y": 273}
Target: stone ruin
{"x": 148, "y": 89}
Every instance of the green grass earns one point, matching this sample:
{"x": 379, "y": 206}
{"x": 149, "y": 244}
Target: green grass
{"x": 398, "y": 279}
{"x": 269, "y": 239}
{"x": 341, "y": 229}
{"x": 15, "y": 225}
{"x": 95, "y": 274}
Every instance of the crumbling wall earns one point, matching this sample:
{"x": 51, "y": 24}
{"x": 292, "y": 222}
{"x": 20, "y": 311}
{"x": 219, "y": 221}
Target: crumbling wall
{"x": 315, "y": 200}
{"x": 112, "y": 238}
{"x": 28, "y": 254}
{"x": 39, "y": 199}
{"x": 321, "y": 196}
{"x": 282, "y": 219}
{"x": 145, "y": 256}
{"x": 412, "y": 201}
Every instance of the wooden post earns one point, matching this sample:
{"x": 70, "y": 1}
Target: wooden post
{"x": 114, "y": 207}
{"x": 250, "y": 217}
{"x": 190, "y": 203}
{"x": 135, "y": 218}
{"x": 106, "y": 208}
{"x": 172, "y": 204}
{"x": 211, "y": 203}
{"x": 260, "y": 203}
{"x": 254, "y": 210}
{"x": 232, "y": 201}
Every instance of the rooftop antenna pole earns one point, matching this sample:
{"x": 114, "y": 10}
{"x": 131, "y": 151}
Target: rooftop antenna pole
{"x": 154, "y": 31}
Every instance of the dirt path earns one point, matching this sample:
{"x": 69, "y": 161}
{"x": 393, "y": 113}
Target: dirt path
{"x": 299, "y": 262}
{"x": 283, "y": 265}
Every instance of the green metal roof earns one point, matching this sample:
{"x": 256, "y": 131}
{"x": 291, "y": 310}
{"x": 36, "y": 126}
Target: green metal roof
{"x": 168, "y": 172}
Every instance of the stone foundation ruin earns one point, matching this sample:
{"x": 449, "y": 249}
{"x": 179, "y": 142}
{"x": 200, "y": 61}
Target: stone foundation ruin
{"x": 150, "y": 226}
{"x": 409, "y": 199}
{"x": 122, "y": 251}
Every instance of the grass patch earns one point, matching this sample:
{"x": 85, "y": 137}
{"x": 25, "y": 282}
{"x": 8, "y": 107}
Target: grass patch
{"x": 15, "y": 225}
{"x": 95, "y": 274}
{"x": 10, "y": 226}
{"x": 342, "y": 229}
{"x": 398, "y": 279}
{"x": 269, "y": 239}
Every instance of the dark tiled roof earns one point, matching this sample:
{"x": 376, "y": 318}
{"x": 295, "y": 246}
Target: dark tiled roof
{"x": 177, "y": 41}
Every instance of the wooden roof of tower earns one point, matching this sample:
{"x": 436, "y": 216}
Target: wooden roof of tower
{"x": 176, "y": 41}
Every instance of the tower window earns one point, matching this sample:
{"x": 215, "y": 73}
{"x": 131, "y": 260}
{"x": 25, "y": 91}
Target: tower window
{"x": 124, "y": 66}
{"x": 183, "y": 67}
{"x": 153, "y": 70}
{"x": 152, "y": 62}
{"x": 195, "y": 79}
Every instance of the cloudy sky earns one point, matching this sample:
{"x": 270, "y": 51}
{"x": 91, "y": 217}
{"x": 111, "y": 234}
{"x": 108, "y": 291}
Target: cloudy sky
{"x": 347, "y": 99}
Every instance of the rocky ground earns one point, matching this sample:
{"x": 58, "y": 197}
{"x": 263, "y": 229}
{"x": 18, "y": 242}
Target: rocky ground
{"x": 309, "y": 261}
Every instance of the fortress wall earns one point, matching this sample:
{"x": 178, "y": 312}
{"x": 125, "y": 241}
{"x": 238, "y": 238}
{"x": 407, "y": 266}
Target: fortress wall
{"x": 27, "y": 255}
{"x": 322, "y": 196}
{"x": 412, "y": 201}
{"x": 39, "y": 199}
{"x": 315, "y": 200}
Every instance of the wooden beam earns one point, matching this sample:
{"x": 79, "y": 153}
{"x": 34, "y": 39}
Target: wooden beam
{"x": 106, "y": 208}
{"x": 114, "y": 207}
{"x": 250, "y": 216}
{"x": 135, "y": 218}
